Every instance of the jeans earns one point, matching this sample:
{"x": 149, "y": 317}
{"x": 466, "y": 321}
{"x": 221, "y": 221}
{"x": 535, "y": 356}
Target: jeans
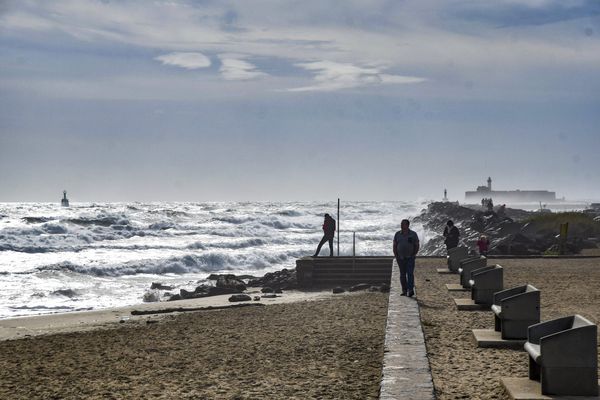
{"x": 323, "y": 241}
{"x": 407, "y": 273}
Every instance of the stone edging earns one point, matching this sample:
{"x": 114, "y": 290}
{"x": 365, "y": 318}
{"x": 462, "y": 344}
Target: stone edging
{"x": 406, "y": 372}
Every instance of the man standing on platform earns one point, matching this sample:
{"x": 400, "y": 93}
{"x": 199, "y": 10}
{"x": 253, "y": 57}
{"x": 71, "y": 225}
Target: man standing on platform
{"x": 406, "y": 247}
{"x": 328, "y": 235}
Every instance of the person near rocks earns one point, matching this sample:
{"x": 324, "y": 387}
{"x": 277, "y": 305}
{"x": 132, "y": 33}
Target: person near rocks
{"x": 406, "y": 247}
{"x": 483, "y": 244}
{"x": 502, "y": 210}
{"x": 328, "y": 234}
{"x": 451, "y": 234}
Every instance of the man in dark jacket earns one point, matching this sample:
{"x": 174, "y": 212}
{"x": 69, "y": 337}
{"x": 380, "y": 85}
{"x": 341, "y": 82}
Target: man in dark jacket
{"x": 328, "y": 234}
{"x": 451, "y": 234}
{"x": 406, "y": 247}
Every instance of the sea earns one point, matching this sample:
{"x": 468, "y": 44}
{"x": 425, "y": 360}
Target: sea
{"x": 101, "y": 255}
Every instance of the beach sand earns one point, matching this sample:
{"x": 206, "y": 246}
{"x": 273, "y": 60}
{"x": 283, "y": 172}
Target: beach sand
{"x": 463, "y": 371}
{"x": 326, "y": 349}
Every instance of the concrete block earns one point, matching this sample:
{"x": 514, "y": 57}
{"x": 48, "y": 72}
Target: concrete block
{"x": 489, "y": 338}
{"x": 527, "y": 389}
{"x": 455, "y": 287}
{"x": 445, "y": 271}
{"x": 470, "y": 305}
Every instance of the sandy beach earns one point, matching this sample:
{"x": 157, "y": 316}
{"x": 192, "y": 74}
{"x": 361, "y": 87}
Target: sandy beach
{"x": 326, "y": 349}
{"x": 463, "y": 371}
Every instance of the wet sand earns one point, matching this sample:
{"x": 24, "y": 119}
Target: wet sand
{"x": 326, "y": 349}
{"x": 463, "y": 371}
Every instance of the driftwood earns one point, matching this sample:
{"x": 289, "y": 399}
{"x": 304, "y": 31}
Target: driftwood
{"x": 187, "y": 309}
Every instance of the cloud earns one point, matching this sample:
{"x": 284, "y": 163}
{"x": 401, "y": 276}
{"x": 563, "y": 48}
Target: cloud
{"x": 331, "y": 75}
{"x": 236, "y": 69}
{"x": 185, "y": 60}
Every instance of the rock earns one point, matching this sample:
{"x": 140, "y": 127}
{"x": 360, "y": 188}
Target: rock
{"x": 256, "y": 298}
{"x": 338, "y": 289}
{"x": 374, "y": 288}
{"x": 240, "y": 297}
{"x": 203, "y": 289}
{"x": 70, "y": 293}
{"x": 279, "y": 291}
{"x": 214, "y": 277}
{"x": 185, "y": 294}
{"x": 384, "y": 288}
{"x": 175, "y": 297}
{"x": 284, "y": 279}
{"x": 360, "y": 286}
{"x": 160, "y": 286}
{"x": 230, "y": 281}
{"x": 216, "y": 291}
{"x": 151, "y": 297}
{"x": 269, "y": 296}
{"x": 267, "y": 290}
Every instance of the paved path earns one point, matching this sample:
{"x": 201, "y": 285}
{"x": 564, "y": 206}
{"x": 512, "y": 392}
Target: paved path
{"x": 406, "y": 373}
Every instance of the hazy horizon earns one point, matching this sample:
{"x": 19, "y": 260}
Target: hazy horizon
{"x": 286, "y": 101}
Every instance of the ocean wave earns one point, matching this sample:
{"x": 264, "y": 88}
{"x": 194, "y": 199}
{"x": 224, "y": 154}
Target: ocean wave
{"x": 105, "y": 220}
{"x": 191, "y": 263}
{"x": 289, "y": 213}
{"x": 36, "y": 220}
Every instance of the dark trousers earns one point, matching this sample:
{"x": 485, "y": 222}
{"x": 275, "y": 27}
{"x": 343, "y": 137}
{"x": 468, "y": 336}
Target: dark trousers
{"x": 407, "y": 273}
{"x": 322, "y": 242}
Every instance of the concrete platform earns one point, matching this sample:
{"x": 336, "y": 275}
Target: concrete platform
{"x": 489, "y": 338}
{"x": 469, "y": 305}
{"x": 446, "y": 271}
{"x": 455, "y": 287}
{"x": 406, "y": 373}
{"x": 526, "y": 389}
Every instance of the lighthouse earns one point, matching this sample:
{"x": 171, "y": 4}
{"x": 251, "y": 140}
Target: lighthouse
{"x": 64, "y": 202}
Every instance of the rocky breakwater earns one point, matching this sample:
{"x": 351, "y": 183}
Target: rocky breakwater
{"x": 510, "y": 231}
{"x": 272, "y": 282}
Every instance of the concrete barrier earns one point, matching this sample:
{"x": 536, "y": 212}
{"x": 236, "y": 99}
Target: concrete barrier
{"x": 334, "y": 271}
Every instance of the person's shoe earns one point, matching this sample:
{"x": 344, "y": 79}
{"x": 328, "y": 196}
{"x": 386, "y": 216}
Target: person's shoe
{"x": 315, "y": 255}
{"x": 403, "y": 294}
{"x": 411, "y": 293}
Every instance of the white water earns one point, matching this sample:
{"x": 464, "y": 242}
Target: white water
{"x": 108, "y": 254}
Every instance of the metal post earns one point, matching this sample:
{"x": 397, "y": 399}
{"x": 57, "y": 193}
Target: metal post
{"x": 353, "y": 244}
{"x": 338, "y": 229}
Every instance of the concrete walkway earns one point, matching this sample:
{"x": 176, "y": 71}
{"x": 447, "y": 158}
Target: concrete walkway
{"x": 406, "y": 373}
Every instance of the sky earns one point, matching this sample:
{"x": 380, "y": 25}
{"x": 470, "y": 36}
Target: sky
{"x": 272, "y": 100}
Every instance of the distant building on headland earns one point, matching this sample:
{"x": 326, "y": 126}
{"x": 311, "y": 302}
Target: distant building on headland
{"x": 509, "y": 196}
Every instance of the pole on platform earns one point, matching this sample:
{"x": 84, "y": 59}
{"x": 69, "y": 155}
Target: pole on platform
{"x": 353, "y": 252}
{"x": 338, "y": 229}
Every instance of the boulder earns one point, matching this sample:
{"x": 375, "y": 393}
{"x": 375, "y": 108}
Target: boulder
{"x": 338, "y": 289}
{"x": 240, "y": 297}
{"x": 360, "y": 286}
{"x": 230, "y": 281}
{"x": 284, "y": 279}
{"x": 216, "y": 291}
{"x": 185, "y": 294}
{"x": 267, "y": 290}
{"x": 151, "y": 297}
{"x": 160, "y": 286}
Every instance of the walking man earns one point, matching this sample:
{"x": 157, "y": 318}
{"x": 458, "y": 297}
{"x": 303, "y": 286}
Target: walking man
{"x": 406, "y": 247}
{"x": 328, "y": 234}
